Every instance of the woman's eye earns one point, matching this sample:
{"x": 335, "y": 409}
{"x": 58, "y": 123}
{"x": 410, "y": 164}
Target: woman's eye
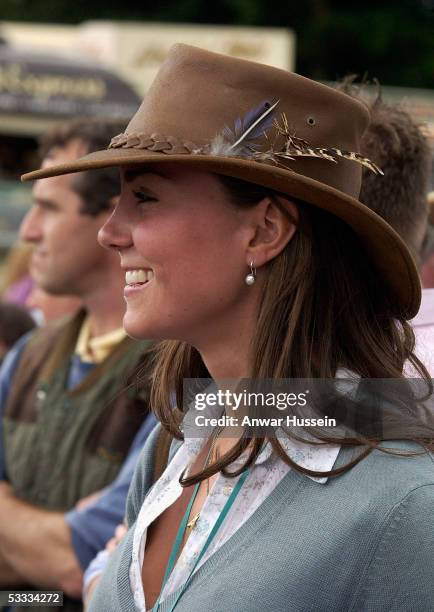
{"x": 141, "y": 197}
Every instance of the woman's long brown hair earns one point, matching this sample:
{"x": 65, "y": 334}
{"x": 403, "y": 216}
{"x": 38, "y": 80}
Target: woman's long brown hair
{"x": 323, "y": 307}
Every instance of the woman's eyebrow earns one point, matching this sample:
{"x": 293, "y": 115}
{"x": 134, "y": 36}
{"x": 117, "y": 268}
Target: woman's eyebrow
{"x": 131, "y": 175}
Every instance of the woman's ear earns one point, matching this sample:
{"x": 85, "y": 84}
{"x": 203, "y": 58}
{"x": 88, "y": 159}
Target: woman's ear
{"x": 275, "y": 222}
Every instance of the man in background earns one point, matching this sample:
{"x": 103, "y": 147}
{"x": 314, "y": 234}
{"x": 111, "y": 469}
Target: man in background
{"x": 397, "y": 145}
{"x": 70, "y": 408}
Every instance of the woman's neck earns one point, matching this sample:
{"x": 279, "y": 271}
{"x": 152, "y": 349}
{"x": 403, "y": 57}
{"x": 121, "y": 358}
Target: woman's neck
{"x": 227, "y": 346}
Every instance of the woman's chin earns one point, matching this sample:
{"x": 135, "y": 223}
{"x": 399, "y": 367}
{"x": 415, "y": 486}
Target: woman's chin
{"x": 142, "y": 328}
{"x": 135, "y": 327}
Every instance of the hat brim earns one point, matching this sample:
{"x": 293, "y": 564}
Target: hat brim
{"x": 384, "y": 246}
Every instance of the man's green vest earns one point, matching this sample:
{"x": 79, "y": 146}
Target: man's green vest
{"x": 61, "y": 445}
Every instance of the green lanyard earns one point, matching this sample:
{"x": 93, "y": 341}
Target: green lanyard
{"x": 180, "y": 535}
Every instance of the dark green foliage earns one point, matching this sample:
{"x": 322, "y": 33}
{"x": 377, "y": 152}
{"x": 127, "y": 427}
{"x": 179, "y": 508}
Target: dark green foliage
{"x": 390, "y": 40}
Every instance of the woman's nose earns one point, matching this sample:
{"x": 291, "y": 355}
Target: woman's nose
{"x": 115, "y": 233}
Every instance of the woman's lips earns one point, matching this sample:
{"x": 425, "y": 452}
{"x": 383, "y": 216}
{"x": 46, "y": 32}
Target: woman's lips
{"x": 138, "y": 276}
{"x": 136, "y": 280}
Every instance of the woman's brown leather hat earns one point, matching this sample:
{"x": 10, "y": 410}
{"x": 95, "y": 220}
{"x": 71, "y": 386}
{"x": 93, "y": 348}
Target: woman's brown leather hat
{"x": 266, "y": 126}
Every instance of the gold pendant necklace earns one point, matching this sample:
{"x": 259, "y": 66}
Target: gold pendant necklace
{"x": 192, "y": 524}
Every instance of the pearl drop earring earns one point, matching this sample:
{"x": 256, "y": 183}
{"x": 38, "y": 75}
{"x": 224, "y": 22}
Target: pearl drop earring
{"x": 251, "y": 277}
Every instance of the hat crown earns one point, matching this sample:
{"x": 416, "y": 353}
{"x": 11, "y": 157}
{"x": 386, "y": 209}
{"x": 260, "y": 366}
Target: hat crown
{"x": 196, "y": 93}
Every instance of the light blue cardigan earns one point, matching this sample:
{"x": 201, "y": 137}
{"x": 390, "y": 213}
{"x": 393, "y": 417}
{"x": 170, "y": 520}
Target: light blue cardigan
{"x": 364, "y": 541}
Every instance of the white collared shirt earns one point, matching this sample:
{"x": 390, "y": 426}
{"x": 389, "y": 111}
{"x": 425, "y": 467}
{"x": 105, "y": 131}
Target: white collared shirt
{"x": 263, "y": 477}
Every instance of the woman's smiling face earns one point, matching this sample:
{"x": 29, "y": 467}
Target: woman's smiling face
{"x": 183, "y": 246}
